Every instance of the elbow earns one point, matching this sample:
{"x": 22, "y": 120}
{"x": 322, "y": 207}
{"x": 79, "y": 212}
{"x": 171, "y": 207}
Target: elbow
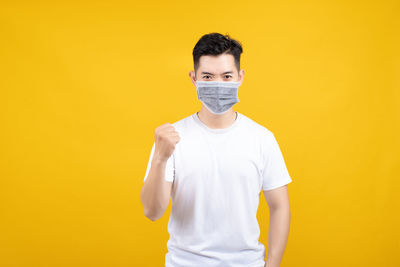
{"x": 152, "y": 215}
{"x": 152, "y": 218}
{"x": 153, "y": 208}
{"x": 280, "y": 209}
{"x": 147, "y": 211}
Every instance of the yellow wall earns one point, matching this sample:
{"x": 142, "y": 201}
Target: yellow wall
{"x": 84, "y": 84}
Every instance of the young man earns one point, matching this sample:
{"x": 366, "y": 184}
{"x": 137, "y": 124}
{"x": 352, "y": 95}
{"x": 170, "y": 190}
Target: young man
{"x": 214, "y": 164}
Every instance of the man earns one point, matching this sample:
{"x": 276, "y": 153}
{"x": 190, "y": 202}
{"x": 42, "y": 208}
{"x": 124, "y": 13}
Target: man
{"x": 214, "y": 164}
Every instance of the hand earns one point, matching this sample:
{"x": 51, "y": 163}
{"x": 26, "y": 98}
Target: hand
{"x": 166, "y": 139}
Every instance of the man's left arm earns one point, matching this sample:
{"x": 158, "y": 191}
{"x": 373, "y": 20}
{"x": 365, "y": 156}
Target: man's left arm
{"x": 279, "y": 221}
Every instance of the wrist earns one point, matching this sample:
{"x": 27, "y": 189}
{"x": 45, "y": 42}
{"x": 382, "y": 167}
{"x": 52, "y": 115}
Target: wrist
{"x": 157, "y": 160}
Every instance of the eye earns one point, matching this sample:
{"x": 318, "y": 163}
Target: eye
{"x": 206, "y": 76}
{"x": 228, "y": 76}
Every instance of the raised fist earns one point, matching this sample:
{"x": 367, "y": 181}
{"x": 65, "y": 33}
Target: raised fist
{"x": 165, "y": 140}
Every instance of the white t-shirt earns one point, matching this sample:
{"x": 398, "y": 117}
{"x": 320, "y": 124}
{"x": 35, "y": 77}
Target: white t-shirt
{"x": 217, "y": 176}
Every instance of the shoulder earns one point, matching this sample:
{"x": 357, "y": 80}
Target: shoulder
{"x": 261, "y": 131}
{"x": 182, "y": 123}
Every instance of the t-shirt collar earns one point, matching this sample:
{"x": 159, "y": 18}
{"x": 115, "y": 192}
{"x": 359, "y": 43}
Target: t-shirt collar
{"x": 217, "y": 131}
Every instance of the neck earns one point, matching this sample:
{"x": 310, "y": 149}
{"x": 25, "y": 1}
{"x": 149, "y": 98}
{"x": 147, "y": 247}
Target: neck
{"x": 215, "y": 121}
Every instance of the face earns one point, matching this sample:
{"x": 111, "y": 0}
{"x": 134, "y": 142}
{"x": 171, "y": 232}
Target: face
{"x": 217, "y": 68}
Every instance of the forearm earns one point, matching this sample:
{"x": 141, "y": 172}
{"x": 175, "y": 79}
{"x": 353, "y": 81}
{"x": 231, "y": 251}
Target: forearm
{"x": 277, "y": 235}
{"x": 153, "y": 194}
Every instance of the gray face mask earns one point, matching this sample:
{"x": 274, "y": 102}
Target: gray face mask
{"x": 218, "y": 96}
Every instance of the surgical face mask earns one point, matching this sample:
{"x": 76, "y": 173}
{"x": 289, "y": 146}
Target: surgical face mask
{"x": 218, "y": 96}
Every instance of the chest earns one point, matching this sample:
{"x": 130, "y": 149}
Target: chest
{"x": 217, "y": 162}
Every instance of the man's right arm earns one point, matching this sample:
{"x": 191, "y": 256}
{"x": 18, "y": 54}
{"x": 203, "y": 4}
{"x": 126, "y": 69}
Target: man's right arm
{"x": 156, "y": 190}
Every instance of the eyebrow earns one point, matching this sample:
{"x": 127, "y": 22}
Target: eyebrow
{"x": 226, "y": 72}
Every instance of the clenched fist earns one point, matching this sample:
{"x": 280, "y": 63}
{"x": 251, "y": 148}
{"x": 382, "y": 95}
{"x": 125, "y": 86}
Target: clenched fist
{"x": 165, "y": 140}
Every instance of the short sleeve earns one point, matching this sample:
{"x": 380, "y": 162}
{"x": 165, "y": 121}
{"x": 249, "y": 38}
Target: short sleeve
{"x": 169, "y": 169}
{"x": 275, "y": 173}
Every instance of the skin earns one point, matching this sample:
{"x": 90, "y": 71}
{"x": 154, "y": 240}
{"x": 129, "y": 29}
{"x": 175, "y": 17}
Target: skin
{"x": 279, "y": 222}
{"x": 156, "y": 191}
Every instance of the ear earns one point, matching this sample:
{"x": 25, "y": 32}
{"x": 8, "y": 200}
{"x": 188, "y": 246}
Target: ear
{"x": 192, "y": 77}
{"x": 241, "y": 76}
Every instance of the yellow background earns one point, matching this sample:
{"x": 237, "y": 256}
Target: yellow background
{"x": 85, "y": 83}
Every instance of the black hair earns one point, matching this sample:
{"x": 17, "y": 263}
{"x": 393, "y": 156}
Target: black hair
{"x": 216, "y": 44}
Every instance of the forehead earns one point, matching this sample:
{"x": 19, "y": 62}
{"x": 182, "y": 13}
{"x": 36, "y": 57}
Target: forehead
{"x": 216, "y": 64}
